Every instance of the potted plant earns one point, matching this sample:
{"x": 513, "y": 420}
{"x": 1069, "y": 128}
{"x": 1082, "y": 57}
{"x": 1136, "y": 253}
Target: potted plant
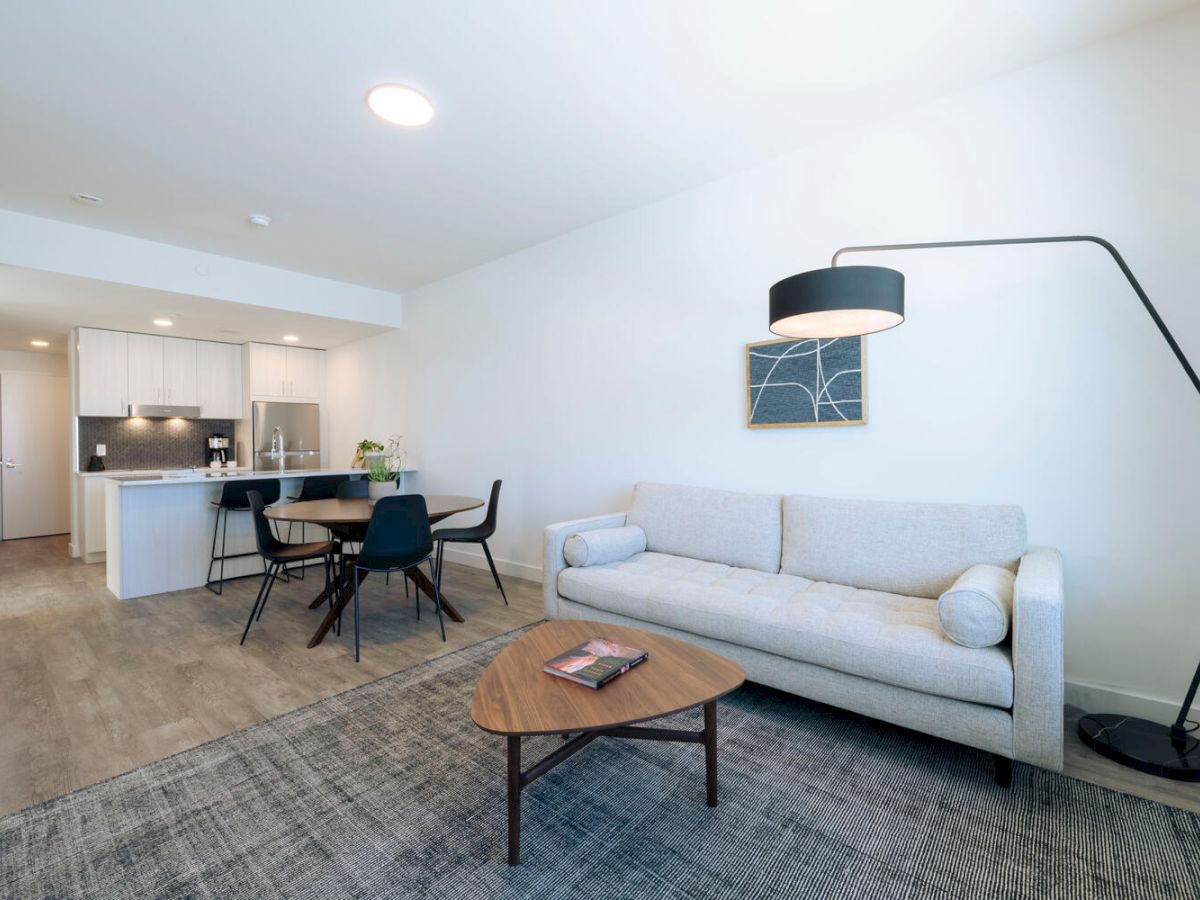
{"x": 364, "y": 449}
{"x": 384, "y": 470}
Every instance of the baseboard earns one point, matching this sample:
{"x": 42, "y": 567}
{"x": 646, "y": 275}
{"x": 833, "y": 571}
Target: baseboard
{"x": 471, "y": 555}
{"x": 1099, "y": 698}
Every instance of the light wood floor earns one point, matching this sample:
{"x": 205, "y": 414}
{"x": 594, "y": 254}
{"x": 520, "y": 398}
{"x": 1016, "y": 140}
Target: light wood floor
{"x": 91, "y": 686}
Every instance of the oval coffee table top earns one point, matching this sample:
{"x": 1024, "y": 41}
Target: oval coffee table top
{"x": 514, "y": 695}
{"x": 358, "y": 510}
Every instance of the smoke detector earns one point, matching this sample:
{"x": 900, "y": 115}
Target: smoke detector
{"x": 260, "y": 220}
{"x": 88, "y": 199}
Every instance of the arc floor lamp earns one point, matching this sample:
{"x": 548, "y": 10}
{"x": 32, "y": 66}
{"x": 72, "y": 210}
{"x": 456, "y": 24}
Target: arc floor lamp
{"x": 848, "y": 301}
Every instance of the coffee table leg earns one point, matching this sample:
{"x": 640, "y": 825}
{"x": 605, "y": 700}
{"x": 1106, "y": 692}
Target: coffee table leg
{"x": 710, "y": 751}
{"x": 514, "y": 800}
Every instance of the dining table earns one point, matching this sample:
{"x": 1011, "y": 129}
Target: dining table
{"x": 347, "y": 519}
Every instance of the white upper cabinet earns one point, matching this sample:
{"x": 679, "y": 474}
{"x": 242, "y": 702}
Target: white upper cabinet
{"x": 103, "y": 379}
{"x": 304, "y": 372}
{"x": 219, "y": 380}
{"x": 146, "y": 369}
{"x": 268, "y": 370}
{"x": 289, "y": 373}
{"x": 179, "y": 372}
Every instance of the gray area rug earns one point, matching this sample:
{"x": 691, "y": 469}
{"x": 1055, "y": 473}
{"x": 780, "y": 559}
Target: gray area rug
{"x": 389, "y": 790}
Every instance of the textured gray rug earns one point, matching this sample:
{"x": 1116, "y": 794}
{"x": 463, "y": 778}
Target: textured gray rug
{"x": 390, "y": 791}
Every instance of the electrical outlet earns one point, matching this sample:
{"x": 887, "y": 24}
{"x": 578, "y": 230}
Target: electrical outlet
{"x": 101, "y": 450}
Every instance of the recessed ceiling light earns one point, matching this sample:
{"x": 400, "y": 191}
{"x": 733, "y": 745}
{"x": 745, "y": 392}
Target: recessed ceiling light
{"x": 290, "y": 338}
{"x": 400, "y": 105}
{"x": 88, "y": 199}
{"x": 260, "y": 220}
{"x": 40, "y": 343}
{"x": 163, "y": 323}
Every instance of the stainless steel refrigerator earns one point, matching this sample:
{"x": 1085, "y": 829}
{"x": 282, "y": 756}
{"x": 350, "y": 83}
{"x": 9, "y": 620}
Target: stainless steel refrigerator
{"x": 286, "y": 435}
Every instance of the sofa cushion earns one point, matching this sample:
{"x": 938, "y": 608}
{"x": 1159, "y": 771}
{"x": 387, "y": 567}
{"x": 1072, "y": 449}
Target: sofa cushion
{"x": 976, "y": 611}
{"x": 718, "y": 526}
{"x": 603, "y": 545}
{"x": 917, "y": 549}
{"x": 884, "y": 637}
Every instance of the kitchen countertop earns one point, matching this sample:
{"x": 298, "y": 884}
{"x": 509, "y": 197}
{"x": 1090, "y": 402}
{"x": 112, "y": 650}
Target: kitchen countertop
{"x": 211, "y": 475}
{"x": 110, "y": 473}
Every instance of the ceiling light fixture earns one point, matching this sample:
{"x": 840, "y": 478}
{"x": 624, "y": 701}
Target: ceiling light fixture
{"x": 163, "y": 323}
{"x": 290, "y": 338}
{"x": 400, "y": 105}
{"x": 260, "y": 220}
{"x": 40, "y": 343}
{"x": 88, "y": 199}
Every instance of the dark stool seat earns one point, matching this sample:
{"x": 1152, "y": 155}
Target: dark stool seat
{"x": 235, "y": 498}
{"x": 276, "y": 554}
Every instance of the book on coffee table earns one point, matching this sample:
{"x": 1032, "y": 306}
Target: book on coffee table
{"x": 595, "y": 662}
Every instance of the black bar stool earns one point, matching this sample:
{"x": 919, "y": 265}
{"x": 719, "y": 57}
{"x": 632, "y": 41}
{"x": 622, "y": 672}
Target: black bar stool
{"x": 234, "y": 499}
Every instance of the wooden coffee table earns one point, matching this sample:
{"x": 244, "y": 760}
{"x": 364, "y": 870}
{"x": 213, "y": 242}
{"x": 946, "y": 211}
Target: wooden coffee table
{"x": 516, "y": 698}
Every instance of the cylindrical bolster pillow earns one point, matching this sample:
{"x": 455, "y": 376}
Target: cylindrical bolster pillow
{"x": 604, "y": 545}
{"x": 977, "y": 609}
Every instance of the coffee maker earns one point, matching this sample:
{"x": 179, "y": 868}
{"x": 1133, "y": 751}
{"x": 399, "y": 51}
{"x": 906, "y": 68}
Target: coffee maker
{"x": 218, "y": 450}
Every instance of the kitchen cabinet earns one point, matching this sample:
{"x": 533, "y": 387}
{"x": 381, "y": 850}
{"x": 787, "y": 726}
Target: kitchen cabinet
{"x": 219, "y": 380}
{"x": 102, "y": 373}
{"x": 179, "y": 371}
{"x": 289, "y": 373}
{"x": 145, "y": 366}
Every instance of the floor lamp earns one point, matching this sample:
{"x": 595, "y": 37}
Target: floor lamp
{"x": 849, "y": 301}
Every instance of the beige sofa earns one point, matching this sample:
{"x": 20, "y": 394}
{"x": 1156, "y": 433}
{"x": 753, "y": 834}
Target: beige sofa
{"x": 835, "y": 600}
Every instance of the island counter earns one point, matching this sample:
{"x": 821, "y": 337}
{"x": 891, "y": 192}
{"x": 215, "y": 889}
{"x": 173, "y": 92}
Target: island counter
{"x": 160, "y": 528}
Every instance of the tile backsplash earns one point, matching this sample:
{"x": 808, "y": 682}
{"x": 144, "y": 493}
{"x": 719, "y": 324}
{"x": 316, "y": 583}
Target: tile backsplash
{"x": 135, "y": 443}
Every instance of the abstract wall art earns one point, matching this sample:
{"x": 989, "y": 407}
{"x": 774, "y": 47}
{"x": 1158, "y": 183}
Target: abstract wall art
{"x": 806, "y": 382}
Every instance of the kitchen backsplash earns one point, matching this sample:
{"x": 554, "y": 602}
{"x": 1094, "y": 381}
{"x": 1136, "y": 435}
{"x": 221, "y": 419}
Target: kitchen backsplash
{"x": 135, "y": 443}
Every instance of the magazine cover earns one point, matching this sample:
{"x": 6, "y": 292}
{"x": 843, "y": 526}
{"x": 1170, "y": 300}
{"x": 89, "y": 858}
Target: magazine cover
{"x": 594, "y": 662}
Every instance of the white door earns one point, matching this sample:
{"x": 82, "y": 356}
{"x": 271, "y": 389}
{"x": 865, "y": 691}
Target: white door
{"x": 146, "y": 369}
{"x": 304, "y": 373}
{"x": 179, "y": 371}
{"x": 219, "y": 380}
{"x": 35, "y": 455}
{"x": 103, "y": 372}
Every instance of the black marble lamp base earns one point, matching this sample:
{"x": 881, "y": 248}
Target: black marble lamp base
{"x": 1143, "y": 745}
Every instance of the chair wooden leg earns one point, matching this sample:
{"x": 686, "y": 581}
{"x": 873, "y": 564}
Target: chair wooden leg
{"x": 495, "y": 574}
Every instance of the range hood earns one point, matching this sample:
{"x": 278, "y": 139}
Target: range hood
{"x": 157, "y": 411}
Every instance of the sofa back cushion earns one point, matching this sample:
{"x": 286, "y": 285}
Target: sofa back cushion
{"x": 917, "y": 549}
{"x": 736, "y": 529}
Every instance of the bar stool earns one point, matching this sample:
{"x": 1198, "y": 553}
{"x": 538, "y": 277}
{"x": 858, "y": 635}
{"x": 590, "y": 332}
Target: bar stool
{"x": 234, "y": 499}
{"x": 314, "y": 487}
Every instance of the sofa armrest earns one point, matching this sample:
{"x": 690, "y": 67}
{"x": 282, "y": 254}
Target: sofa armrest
{"x": 1037, "y": 654}
{"x": 553, "y": 560}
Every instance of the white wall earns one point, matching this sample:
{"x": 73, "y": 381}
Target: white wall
{"x": 615, "y": 353}
{"x": 27, "y": 361}
{"x": 363, "y": 386}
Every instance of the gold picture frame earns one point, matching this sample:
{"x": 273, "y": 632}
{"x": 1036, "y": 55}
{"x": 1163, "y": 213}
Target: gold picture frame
{"x": 816, "y": 422}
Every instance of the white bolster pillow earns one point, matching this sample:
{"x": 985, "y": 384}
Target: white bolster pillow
{"x": 604, "y": 545}
{"x": 977, "y": 609}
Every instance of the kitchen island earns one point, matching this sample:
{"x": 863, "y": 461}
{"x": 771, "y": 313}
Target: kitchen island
{"x": 159, "y": 528}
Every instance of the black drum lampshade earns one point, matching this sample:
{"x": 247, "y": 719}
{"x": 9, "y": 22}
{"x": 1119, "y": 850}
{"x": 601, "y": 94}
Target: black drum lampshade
{"x": 842, "y": 301}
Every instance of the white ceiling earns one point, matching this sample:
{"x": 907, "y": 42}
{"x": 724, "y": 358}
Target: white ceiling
{"x": 188, "y": 116}
{"x": 37, "y": 305}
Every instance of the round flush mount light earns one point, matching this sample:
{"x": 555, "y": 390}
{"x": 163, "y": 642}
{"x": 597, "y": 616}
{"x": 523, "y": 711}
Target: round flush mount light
{"x": 290, "y": 338}
{"x": 400, "y": 105}
{"x": 163, "y": 323}
{"x": 40, "y": 343}
{"x": 259, "y": 220}
{"x": 88, "y": 199}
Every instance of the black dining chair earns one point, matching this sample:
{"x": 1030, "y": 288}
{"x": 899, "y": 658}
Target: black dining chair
{"x": 233, "y": 499}
{"x": 477, "y": 534}
{"x": 397, "y": 538}
{"x": 313, "y": 487}
{"x": 351, "y": 490}
{"x": 276, "y": 554}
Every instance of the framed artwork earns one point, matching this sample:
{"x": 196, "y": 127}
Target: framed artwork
{"x": 791, "y": 383}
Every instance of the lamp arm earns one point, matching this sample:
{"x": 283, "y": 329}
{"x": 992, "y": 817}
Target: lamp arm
{"x": 1179, "y": 729}
{"x": 1056, "y": 239}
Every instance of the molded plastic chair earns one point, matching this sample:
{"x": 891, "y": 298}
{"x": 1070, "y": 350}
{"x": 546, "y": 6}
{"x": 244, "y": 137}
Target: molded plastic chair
{"x": 477, "y": 534}
{"x": 276, "y": 554}
{"x": 233, "y": 499}
{"x": 352, "y": 490}
{"x": 398, "y": 538}
{"x": 313, "y": 487}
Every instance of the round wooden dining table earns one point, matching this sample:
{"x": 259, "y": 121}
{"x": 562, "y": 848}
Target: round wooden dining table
{"x": 350, "y": 517}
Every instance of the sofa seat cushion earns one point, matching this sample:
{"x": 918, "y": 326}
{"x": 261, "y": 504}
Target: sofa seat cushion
{"x": 885, "y": 637}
